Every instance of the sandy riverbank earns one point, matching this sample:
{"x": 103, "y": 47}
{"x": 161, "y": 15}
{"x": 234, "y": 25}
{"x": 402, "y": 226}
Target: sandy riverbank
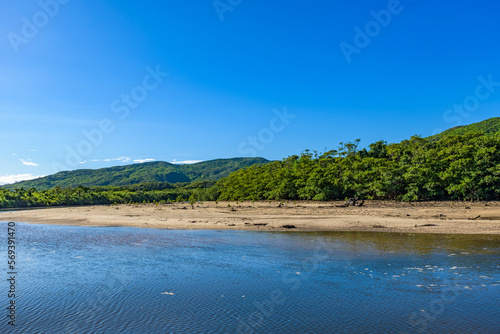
{"x": 428, "y": 217}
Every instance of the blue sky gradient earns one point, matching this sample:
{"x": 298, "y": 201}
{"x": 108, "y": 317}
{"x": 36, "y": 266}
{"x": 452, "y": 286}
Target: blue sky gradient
{"x": 234, "y": 69}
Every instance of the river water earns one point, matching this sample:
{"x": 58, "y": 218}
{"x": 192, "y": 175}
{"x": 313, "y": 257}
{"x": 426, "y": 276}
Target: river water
{"x": 127, "y": 280}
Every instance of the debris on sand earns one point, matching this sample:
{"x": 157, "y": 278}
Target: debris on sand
{"x": 355, "y": 201}
{"x": 289, "y": 226}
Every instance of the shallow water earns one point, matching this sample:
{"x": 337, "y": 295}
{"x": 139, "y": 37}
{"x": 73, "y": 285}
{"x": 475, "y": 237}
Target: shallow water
{"x": 127, "y": 280}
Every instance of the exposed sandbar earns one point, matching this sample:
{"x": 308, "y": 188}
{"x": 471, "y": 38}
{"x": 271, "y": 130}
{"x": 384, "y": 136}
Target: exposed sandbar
{"x": 426, "y": 217}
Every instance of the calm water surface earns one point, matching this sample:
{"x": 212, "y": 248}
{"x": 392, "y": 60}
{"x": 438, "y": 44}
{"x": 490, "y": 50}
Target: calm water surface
{"x": 126, "y": 280}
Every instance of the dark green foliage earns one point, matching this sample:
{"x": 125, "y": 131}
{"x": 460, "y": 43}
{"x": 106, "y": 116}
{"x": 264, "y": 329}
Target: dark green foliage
{"x": 141, "y": 193}
{"x": 150, "y": 172}
{"x": 455, "y": 167}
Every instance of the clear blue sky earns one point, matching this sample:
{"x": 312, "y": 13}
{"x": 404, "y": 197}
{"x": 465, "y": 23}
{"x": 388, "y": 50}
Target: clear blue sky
{"x": 85, "y": 66}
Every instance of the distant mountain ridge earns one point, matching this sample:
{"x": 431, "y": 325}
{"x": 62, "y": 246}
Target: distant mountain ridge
{"x": 490, "y": 127}
{"x": 158, "y": 171}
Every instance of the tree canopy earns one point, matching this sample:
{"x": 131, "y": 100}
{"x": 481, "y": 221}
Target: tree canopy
{"x": 455, "y": 167}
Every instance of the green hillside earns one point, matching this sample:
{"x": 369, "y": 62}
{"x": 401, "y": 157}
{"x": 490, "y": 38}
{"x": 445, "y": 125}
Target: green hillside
{"x": 141, "y": 173}
{"x": 490, "y": 126}
{"x": 455, "y": 167}
{"x": 459, "y": 164}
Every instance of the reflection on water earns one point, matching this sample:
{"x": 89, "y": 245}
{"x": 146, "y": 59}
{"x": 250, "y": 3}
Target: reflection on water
{"x": 125, "y": 280}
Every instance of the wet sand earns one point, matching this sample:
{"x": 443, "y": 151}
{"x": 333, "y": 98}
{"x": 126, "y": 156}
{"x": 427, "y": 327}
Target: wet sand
{"x": 383, "y": 216}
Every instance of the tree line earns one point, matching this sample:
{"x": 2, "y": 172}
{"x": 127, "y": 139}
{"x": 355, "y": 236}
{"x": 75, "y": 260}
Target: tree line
{"x": 461, "y": 167}
{"x": 141, "y": 193}
{"x": 458, "y": 167}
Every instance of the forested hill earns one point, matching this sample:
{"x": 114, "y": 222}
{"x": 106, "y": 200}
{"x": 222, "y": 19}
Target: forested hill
{"x": 464, "y": 166}
{"x": 489, "y": 127}
{"x": 460, "y": 163}
{"x": 141, "y": 173}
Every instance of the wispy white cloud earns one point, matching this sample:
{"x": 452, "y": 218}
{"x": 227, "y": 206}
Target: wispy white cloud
{"x": 83, "y": 162}
{"x": 140, "y": 161}
{"x": 121, "y": 159}
{"x": 8, "y": 179}
{"x": 186, "y": 162}
{"x": 28, "y": 163}
{"x": 34, "y": 150}
{"x": 14, "y": 154}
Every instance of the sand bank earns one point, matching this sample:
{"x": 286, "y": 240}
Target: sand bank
{"x": 427, "y": 217}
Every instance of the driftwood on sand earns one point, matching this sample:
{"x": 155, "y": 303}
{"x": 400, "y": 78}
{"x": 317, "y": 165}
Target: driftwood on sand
{"x": 355, "y": 201}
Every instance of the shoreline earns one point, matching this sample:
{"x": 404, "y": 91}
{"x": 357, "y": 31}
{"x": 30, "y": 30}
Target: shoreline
{"x": 374, "y": 216}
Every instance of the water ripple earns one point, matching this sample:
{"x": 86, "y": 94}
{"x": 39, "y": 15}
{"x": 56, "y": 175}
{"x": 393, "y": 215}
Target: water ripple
{"x": 123, "y": 280}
